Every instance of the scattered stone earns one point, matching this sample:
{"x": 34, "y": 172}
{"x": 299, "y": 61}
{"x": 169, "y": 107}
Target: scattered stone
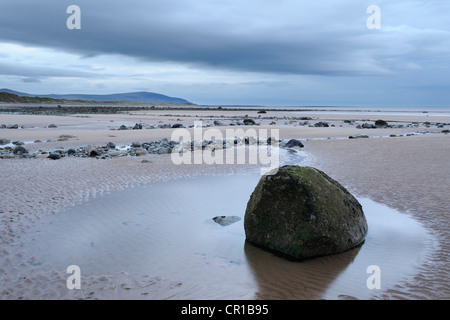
{"x": 178, "y": 125}
{"x": 137, "y": 126}
{"x": 294, "y": 143}
{"x": 163, "y": 151}
{"x": 19, "y": 150}
{"x": 4, "y": 141}
{"x": 12, "y": 126}
{"x": 249, "y": 122}
{"x": 368, "y": 126}
{"x": 54, "y": 156}
{"x": 52, "y": 125}
{"x": 359, "y": 135}
{"x": 321, "y": 124}
{"x": 262, "y": 111}
{"x": 218, "y": 123}
{"x": 140, "y": 152}
{"x": 163, "y": 146}
{"x": 117, "y": 153}
{"x": 94, "y": 153}
{"x": 381, "y": 124}
{"x": 270, "y": 140}
{"x": 300, "y": 212}
{"x": 226, "y": 220}
{"x": 123, "y": 127}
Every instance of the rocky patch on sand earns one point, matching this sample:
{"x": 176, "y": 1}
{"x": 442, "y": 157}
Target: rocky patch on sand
{"x": 136, "y": 149}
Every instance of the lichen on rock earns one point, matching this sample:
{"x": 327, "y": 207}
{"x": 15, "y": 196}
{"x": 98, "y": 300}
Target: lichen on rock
{"x": 300, "y": 212}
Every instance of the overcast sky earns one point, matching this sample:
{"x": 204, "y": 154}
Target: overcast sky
{"x": 258, "y": 52}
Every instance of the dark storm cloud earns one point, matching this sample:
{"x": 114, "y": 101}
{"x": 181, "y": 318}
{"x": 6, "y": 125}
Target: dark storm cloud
{"x": 326, "y": 38}
{"x": 262, "y": 36}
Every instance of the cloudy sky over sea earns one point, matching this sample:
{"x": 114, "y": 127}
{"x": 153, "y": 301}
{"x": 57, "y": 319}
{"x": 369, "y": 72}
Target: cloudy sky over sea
{"x": 257, "y": 52}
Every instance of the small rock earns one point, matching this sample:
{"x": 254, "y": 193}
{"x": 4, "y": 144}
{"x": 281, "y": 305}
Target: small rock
{"x": 54, "y": 156}
{"x": 52, "y": 125}
{"x": 381, "y": 123}
{"x": 19, "y": 150}
{"x": 368, "y": 126}
{"x": 140, "y": 152}
{"x": 12, "y": 126}
{"x": 110, "y": 145}
{"x": 359, "y": 135}
{"x": 249, "y": 122}
{"x": 321, "y": 124}
{"x": 226, "y": 220}
{"x": 163, "y": 150}
{"x": 4, "y": 141}
{"x": 294, "y": 143}
{"x": 94, "y": 153}
{"x": 123, "y": 127}
{"x": 116, "y": 153}
{"x": 218, "y": 123}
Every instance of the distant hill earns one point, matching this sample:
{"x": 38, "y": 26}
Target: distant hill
{"x": 148, "y": 97}
{"x": 14, "y": 98}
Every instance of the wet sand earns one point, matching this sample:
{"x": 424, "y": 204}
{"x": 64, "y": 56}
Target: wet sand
{"x": 407, "y": 173}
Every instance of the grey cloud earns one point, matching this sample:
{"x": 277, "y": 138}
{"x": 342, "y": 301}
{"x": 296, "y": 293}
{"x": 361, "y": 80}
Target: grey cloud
{"x": 259, "y": 36}
{"x": 16, "y": 69}
{"x": 31, "y": 80}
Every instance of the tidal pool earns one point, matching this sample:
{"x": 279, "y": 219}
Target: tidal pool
{"x": 166, "y": 229}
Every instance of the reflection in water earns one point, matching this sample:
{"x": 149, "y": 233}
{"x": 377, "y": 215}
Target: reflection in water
{"x": 166, "y": 230}
{"x": 279, "y": 278}
{"x": 395, "y": 242}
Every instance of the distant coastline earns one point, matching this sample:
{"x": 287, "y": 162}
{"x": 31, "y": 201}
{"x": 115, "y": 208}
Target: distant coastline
{"x": 8, "y": 95}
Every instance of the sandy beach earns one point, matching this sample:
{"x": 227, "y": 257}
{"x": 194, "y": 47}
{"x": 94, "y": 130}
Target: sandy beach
{"x": 403, "y": 166}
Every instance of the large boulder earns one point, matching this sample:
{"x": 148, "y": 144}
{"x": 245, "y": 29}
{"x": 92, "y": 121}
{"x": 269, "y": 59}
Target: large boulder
{"x": 300, "y": 212}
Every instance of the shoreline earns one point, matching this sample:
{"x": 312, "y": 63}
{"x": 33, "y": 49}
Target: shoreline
{"x": 67, "y": 108}
{"x": 42, "y": 187}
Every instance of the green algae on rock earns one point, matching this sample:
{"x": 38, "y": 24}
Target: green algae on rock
{"x": 300, "y": 212}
